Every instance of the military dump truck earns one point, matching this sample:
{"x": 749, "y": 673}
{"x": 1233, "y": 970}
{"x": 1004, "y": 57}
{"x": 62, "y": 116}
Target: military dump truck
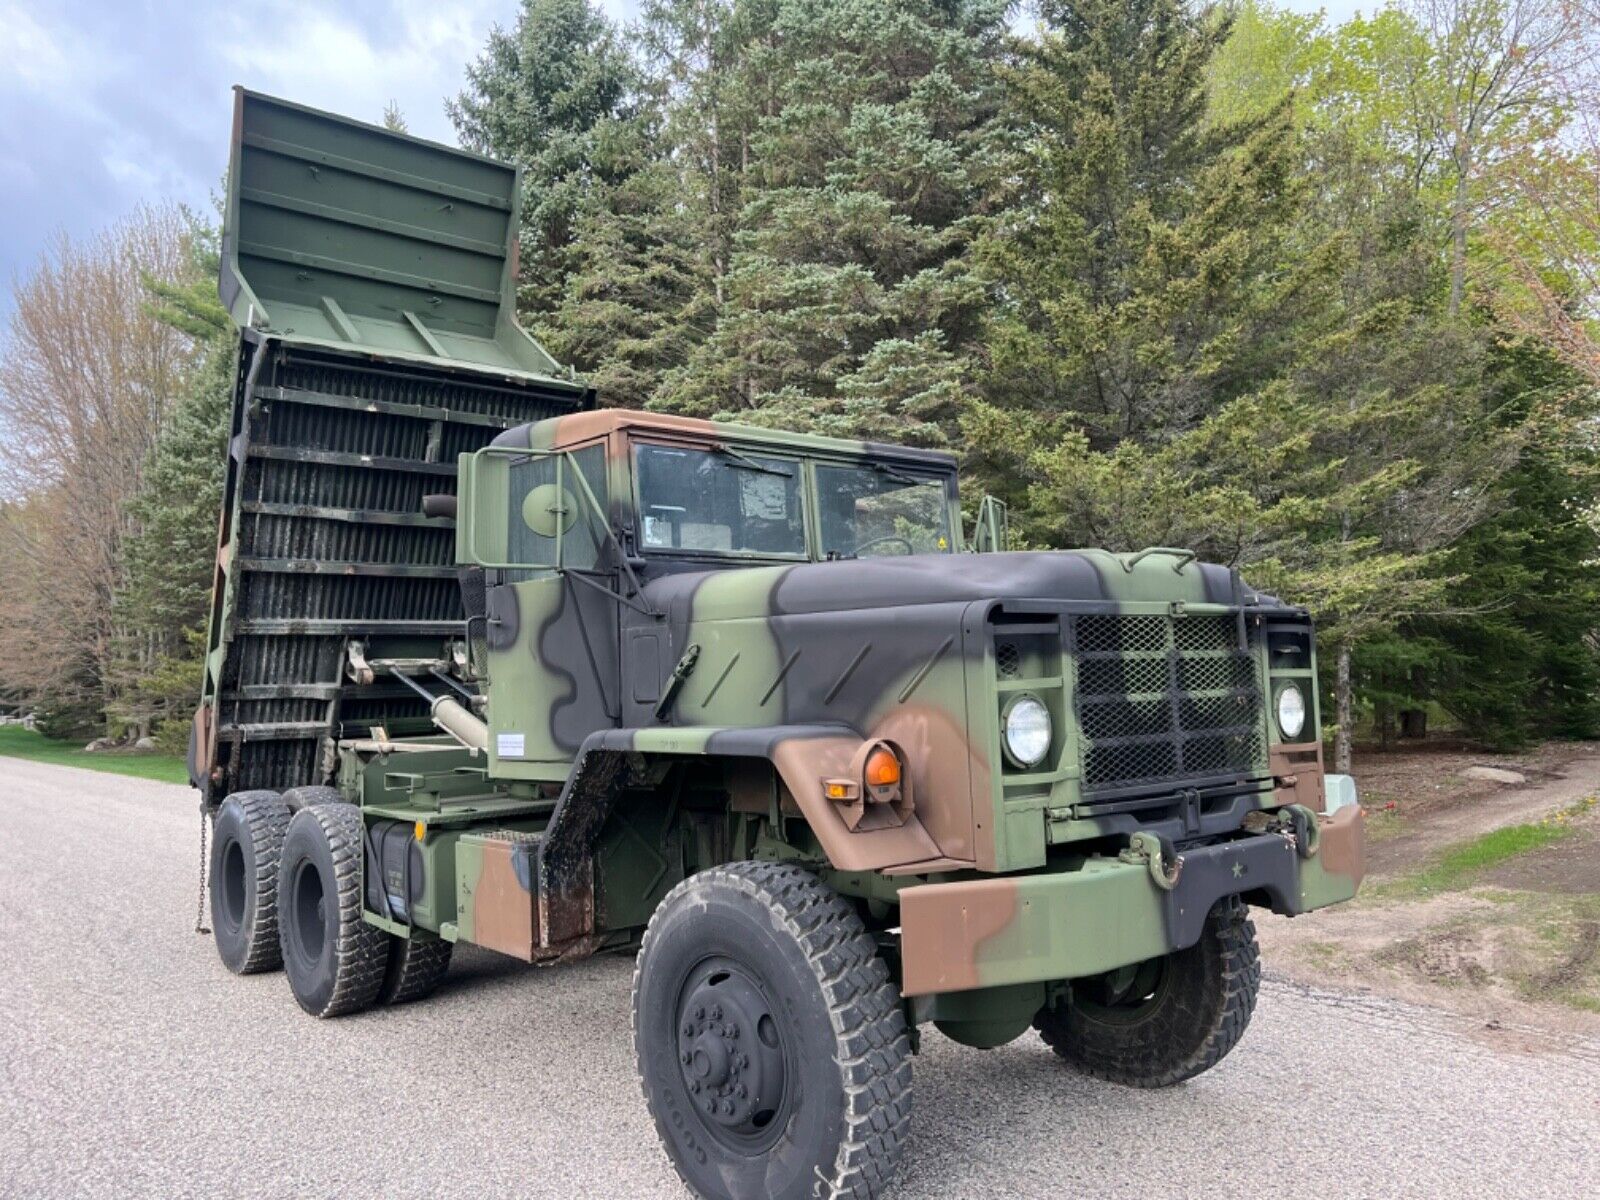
{"x": 489, "y": 665}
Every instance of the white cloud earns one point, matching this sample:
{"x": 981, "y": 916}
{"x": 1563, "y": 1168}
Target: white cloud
{"x": 36, "y": 58}
{"x": 329, "y": 60}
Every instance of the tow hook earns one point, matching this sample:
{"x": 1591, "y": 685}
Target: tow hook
{"x": 1294, "y": 823}
{"x": 1165, "y": 863}
{"x": 1301, "y": 828}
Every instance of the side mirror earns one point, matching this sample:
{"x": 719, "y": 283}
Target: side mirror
{"x": 992, "y": 533}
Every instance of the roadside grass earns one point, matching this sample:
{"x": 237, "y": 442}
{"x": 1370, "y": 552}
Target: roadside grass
{"x": 1543, "y": 945}
{"x": 17, "y": 742}
{"x": 1460, "y": 865}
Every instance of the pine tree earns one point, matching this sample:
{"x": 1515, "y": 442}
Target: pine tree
{"x": 169, "y": 560}
{"x": 543, "y": 94}
{"x": 858, "y": 142}
{"x": 1519, "y": 660}
{"x": 1140, "y": 268}
{"x": 1232, "y": 337}
{"x": 638, "y": 299}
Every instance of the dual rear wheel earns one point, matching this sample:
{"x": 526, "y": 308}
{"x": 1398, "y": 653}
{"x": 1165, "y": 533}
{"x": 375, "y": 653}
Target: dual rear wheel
{"x": 286, "y": 891}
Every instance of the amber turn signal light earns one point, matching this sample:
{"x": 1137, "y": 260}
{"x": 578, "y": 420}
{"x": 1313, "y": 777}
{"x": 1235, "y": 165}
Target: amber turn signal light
{"x": 883, "y": 768}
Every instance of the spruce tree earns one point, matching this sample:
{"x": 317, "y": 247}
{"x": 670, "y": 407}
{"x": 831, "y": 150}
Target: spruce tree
{"x": 543, "y": 94}
{"x": 638, "y": 299}
{"x": 863, "y": 140}
{"x": 169, "y": 558}
{"x": 1139, "y": 271}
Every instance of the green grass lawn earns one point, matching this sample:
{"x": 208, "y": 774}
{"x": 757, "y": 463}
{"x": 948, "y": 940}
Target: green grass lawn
{"x": 17, "y": 742}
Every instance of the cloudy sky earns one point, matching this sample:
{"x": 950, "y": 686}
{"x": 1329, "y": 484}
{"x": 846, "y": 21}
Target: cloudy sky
{"x": 107, "y": 103}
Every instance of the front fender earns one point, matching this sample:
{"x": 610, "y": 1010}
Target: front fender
{"x": 803, "y": 756}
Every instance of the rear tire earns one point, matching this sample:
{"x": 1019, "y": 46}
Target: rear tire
{"x": 1167, "y": 1020}
{"x": 335, "y": 961}
{"x": 247, "y": 840}
{"x": 304, "y": 797}
{"x": 771, "y": 1045}
{"x": 415, "y": 969}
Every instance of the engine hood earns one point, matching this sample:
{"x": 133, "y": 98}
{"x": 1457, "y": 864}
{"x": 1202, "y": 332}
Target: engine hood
{"x": 890, "y": 581}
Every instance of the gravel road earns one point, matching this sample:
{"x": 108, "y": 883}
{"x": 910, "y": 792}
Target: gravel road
{"x": 132, "y": 1064}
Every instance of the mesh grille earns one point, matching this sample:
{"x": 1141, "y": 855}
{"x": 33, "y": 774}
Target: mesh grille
{"x": 1162, "y": 699}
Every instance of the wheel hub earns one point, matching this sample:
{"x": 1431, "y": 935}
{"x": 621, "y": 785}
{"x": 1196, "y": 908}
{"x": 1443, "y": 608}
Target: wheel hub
{"x": 310, "y": 912}
{"x": 233, "y": 890}
{"x": 729, "y": 1053}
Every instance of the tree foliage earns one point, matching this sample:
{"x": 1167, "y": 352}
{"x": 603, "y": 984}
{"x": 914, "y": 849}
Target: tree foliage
{"x": 544, "y": 94}
{"x": 1316, "y": 300}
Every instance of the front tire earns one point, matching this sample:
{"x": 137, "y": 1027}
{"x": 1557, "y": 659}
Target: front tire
{"x": 1167, "y": 1020}
{"x": 335, "y": 961}
{"x": 246, "y": 842}
{"x": 771, "y": 1046}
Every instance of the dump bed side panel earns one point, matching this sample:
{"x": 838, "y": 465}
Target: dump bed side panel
{"x": 323, "y": 541}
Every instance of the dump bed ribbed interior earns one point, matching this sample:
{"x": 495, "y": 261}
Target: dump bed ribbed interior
{"x": 340, "y": 237}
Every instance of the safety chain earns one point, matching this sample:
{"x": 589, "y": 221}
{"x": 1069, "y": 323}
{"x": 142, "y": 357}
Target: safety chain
{"x": 200, "y": 901}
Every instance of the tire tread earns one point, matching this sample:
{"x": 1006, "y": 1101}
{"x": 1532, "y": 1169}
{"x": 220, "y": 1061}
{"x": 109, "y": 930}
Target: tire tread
{"x": 873, "y": 1050}
{"x": 268, "y": 819}
{"x": 414, "y": 969}
{"x": 1175, "y": 1056}
{"x": 361, "y": 951}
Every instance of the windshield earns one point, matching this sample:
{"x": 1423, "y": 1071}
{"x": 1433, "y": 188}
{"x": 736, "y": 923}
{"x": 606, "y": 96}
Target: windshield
{"x": 867, "y": 510}
{"x": 721, "y": 501}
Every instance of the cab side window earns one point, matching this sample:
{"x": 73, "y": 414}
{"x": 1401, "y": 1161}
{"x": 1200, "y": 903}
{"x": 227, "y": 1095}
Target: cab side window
{"x": 542, "y": 507}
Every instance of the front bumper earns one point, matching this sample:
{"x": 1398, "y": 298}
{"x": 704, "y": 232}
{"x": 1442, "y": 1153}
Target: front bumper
{"x": 1109, "y": 913}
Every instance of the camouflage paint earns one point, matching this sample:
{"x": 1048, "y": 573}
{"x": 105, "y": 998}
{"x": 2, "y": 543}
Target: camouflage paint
{"x": 1105, "y": 913}
{"x": 495, "y": 900}
{"x": 799, "y": 664}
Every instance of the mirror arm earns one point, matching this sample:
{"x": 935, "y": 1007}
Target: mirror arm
{"x": 590, "y": 499}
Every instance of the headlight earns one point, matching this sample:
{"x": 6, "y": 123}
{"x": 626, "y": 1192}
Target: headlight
{"x": 1291, "y": 711}
{"x": 1027, "y": 730}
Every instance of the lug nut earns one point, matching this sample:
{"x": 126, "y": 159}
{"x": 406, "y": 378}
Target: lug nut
{"x": 716, "y": 1012}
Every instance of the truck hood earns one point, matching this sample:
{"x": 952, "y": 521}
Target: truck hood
{"x": 890, "y": 581}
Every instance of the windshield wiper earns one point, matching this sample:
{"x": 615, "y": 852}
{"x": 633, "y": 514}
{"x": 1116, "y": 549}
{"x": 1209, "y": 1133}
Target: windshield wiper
{"x": 746, "y": 463}
{"x": 889, "y": 472}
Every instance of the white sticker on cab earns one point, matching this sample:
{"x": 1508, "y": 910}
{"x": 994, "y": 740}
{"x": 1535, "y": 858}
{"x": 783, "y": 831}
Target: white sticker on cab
{"x": 508, "y": 745}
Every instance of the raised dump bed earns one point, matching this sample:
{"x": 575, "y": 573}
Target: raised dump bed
{"x": 372, "y": 277}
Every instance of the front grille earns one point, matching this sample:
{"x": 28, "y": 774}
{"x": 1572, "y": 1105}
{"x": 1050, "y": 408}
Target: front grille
{"x": 1164, "y": 699}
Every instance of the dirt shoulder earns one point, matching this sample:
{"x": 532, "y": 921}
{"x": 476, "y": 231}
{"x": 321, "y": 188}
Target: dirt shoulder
{"x": 1481, "y": 896}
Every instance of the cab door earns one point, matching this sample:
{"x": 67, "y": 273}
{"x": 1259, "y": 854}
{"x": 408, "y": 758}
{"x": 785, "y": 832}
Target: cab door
{"x": 552, "y": 626}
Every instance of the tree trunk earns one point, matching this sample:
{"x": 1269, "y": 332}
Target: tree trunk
{"x": 1342, "y": 707}
{"x": 1459, "y": 218}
